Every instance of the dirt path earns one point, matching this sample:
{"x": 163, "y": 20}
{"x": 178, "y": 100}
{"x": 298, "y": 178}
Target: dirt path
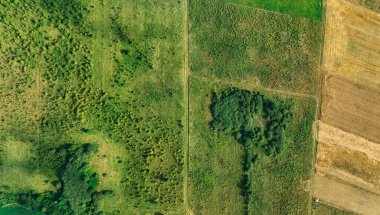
{"x": 254, "y": 86}
{"x": 186, "y": 74}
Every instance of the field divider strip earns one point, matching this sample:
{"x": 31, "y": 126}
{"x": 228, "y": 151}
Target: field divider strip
{"x": 186, "y": 75}
{"x": 249, "y": 86}
{"x": 264, "y": 10}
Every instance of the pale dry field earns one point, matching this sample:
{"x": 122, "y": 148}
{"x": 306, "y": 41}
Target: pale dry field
{"x": 352, "y": 38}
{"x": 351, "y": 107}
{"x": 346, "y": 196}
{"x": 347, "y": 171}
{"x": 348, "y": 157}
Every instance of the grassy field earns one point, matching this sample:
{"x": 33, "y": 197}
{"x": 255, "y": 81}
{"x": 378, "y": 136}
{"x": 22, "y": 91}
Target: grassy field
{"x": 216, "y": 163}
{"x": 323, "y": 209}
{"x": 240, "y": 43}
{"x": 83, "y": 89}
{"x": 311, "y": 9}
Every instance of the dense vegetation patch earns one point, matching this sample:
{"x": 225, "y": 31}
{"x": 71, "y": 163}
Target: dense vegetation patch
{"x": 252, "y": 119}
{"x": 311, "y": 9}
{"x": 257, "y": 122}
{"x": 75, "y": 187}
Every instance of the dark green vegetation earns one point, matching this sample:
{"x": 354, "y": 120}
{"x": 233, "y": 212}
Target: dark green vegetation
{"x": 311, "y": 9}
{"x": 273, "y": 184}
{"x": 69, "y": 115}
{"x": 252, "y": 119}
{"x": 240, "y": 43}
{"x": 256, "y": 122}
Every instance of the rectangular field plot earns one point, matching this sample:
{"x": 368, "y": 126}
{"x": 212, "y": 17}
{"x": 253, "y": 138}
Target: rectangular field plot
{"x": 348, "y": 157}
{"x": 231, "y": 42}
{"x": 311, "y": 9}
{"x": 347, "y": 171}
{"x": 352, "y": 39}
{"x": 343, "y": 195}
{"x": 216, "y": 161}
{"x": 352, "y": 107}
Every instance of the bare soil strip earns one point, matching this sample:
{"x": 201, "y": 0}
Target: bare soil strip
{"x": 351, "y": 47}
{"x": 336, "y": 136}
{"x": 351, "y": 107}
{"x": 345, "y": 196}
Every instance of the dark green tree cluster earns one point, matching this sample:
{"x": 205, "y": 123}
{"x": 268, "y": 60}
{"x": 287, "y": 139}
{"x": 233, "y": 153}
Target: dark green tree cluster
{"x": 252, "y": 119}
{"x": 75, "y": 188}
{"x": 257, "y": 122}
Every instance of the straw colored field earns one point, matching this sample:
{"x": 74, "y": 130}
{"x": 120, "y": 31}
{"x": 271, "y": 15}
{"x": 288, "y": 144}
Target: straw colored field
{"x": 351, "y": 42}
{"x": 347, "y": 171}
{"x": 343, "y": 195}
{"x": 371, "y": 4}
{"x": 348, "y": 157}
{"x": 352, "y": 107}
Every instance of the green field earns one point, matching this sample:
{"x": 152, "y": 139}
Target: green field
{"x": 311, "y": 9}
{"x": 239, "y": 43}
{"x": 216, "y": 160}
{"x": 92, "y": 106}
{"x": 324, "y": 209}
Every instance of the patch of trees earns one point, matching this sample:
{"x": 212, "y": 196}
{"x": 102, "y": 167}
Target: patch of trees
{"x": 75, "y": 188}
{"x": 257, "y": 122}
{"x": 252, "y": 119}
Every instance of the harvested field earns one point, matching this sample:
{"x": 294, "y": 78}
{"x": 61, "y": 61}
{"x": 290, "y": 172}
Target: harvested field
{"x": 351, "y": 42}
{"x": 351, "y": 107}
{"x": 348, "y": 157}
{"x": 346, "y": 196}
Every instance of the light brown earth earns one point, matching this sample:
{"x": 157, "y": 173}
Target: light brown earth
{"x": 352, "y": 38}
{"x": 351, "y": 107}
{"x": 348, "y": 157}
{"x": 343, "y": 195}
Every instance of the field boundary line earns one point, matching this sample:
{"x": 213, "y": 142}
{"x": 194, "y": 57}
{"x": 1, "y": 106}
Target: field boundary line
{"x": 186, "y": 75}
{"x": 269, "y": 11}
{"x": 319, "y": 92}
{"x": 250, "y": 86}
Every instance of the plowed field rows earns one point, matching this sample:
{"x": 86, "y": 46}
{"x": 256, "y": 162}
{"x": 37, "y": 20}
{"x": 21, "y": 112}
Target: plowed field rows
{"x": 351, "y": 42}
{"x": 348, "y": 157}
{"x": 352, "y": 107}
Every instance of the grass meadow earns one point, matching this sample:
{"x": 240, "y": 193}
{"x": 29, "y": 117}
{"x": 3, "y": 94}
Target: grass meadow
{"x": 92, "y": 101}
{"x": 216, "y": 162}
{"x": 237, "y": 43}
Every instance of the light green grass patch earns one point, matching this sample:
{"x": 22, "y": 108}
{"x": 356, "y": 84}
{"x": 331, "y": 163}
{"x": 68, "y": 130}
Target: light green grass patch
{"x": 215, "y": 160}
{"x": 311, "y": 9}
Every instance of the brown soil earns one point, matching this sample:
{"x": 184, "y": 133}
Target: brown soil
{"x": 352, "y": 107}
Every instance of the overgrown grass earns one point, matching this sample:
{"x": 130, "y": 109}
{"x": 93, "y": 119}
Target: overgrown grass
{"x": 116, "y": 77}
{"x": 277, "y": 182}
{"x": 323, "y": 209}
{"x": 311, "y": 9}
{"x": 239, "y": 43}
